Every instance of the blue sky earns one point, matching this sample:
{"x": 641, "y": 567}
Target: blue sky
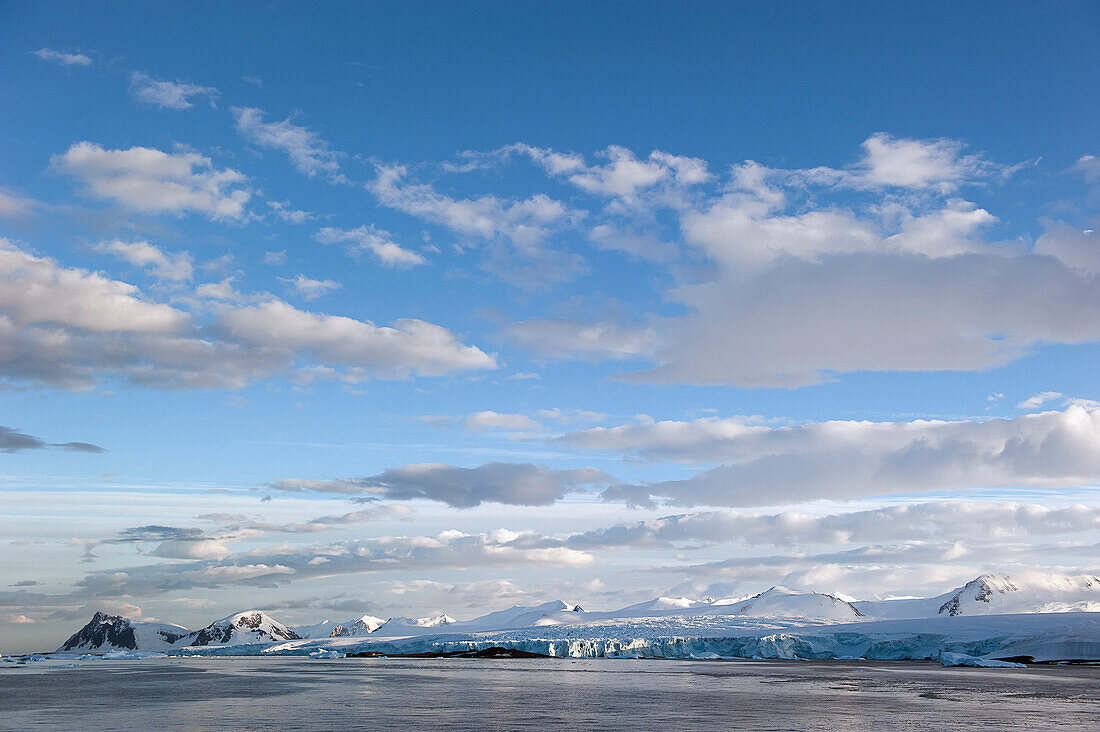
{"x": 472, "y": 282}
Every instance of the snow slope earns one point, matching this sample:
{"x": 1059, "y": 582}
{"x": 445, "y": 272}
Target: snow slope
{"x": 404, "y": 626}
{"x": 998, "y": 594}
{"x": 112, "y": 632}
{"x": 782, "y": 602}
{"x": 548, "y": 613}
{"x": 248, "y": 627}
{"x": 322, "y": 629}
{"x": 363, "y": 625}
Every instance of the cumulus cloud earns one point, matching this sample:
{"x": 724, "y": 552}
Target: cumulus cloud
{"x": 162, "y": 265}
{"x": 1077, "y": 248}
{"x": 170, "y": 94}
{"x": 536, "y": 420}
{"x": 149, "y": 180}
{"x": 13, "y": 205}
{"x": 387, "y": 351}
{"x": 518, "y": 484}
{"x": 900, "y": 162}
{"x": 624, "y": 176}
{"x": 12, "y": 440}
{"x": 816, "y": 272}
{"x": 515, "y": 230}
{"x": 38, "y": 291}
{"x": 644, "y": 245}
{"x": 368, "y": 240}
{"x": 288, "y": 213}
{"x": 487, "y": 421}
{"x": 70, "y": 328}
{"x": 525, "y": 222}
{"x": 65, "y": 59}
{"x": 798, "y": 322}
{"x": 308, "y": 288}
{"x": 845, "y": 460}
{"x": 1089, "y": 167}
{"x": 570, "y": 338}
{"x": 307, "y": 150}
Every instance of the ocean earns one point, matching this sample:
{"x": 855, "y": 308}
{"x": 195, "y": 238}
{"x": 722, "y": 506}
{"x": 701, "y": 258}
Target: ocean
{"x": 255, "y": 693}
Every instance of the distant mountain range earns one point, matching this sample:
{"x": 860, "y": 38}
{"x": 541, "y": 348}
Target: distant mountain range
{"x": 985, "y": 595}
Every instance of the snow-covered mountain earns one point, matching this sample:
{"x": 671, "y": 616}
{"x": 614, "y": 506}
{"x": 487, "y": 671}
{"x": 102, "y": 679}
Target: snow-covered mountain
{"x": 414, "y": 626}
{"x": 363, "y": 625}
{"x": 777, "y": 608}
{"x": 777, "y": 602}
{"x": 519, "y": 616}
{"x": 250, "y": 626}
{"x": 783, "y": 602}
{"x": 322, "y": 629}
{"x": 113, "y": 632}
{"x": 991, "y": 594}
{"x": 658, "y": 606}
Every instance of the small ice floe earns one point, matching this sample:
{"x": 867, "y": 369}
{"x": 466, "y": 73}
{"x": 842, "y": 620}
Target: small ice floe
{"x": 961, "y": 659}
{"x": 121, "y": 655}
{"x": 326, "y": 653}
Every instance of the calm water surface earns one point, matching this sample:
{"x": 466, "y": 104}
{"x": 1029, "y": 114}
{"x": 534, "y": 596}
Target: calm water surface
{"x": 302, "y": 694}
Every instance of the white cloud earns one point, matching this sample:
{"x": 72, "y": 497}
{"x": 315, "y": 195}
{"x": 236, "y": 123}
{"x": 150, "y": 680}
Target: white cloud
{"x": 12, "y": 205}
{"x": 1037, "y": 400}
{"x": 749, "y": 229}
{"x": 37, "y": 291}
{"x": 65, "y": 59}
{"x": 309, "y": 289}
{"x": 387, "y": 351}
{"x": 488, "y": 421}
{"x": 579, "y": 339}
{"x": 142, "y": 254}
{"x": 513, "y": 231}
{"x": 170, "y": 94}
{"x": 1078, "y": 248}
{"x": 765, "y": 465}
{"x": 803, "y": 290}
{"x": 893, "y": 161}
{"x": 797, "y": 322}
{"x": 308, "y": 152}
{"x": 370, "y": 240}
{"x": 643, "y": 245}
{"x": 1089, "y": 166}
{"x": 624, "y": 176}
{"x": 898, "y": 162}
{"x": 289, "y": 214}
{"x": 70, "y": 328}
{"x": 152, "y": 181}
{"x": 526, "y": 223}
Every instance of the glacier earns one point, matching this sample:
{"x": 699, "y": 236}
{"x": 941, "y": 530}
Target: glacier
{"x": 993, "y": 620}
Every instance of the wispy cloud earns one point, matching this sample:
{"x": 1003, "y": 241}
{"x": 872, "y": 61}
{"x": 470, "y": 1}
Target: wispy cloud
{"x": 307, "y": 150}
{"x": 170, "y": 94}
{"x": 65, "y": 59}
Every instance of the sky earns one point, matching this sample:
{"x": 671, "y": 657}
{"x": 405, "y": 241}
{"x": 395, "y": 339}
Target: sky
{"x": 399, "y": 309}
